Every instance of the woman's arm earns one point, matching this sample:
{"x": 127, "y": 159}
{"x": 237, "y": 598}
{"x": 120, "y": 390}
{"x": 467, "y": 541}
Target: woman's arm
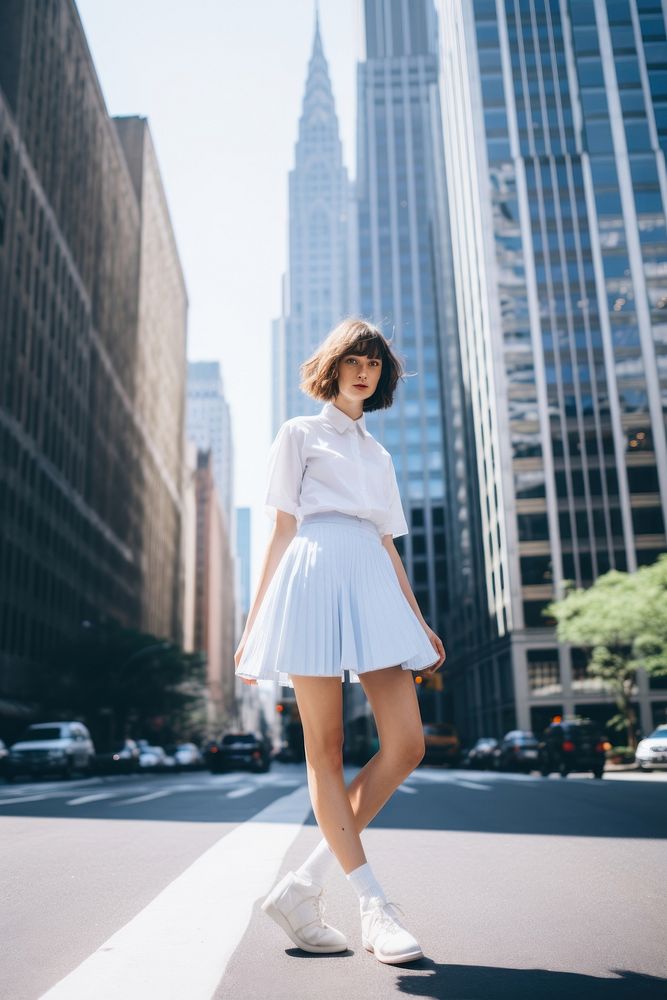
{"x": 283, "y": 532}
{"x": 388, "y": 542}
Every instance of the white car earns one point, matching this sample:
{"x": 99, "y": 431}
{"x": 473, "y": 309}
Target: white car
{"x": 652, "y": 751}
{"x": 155, "y": 759}
{"x": 187, "y": 755}
{"x": 52, "y": 748}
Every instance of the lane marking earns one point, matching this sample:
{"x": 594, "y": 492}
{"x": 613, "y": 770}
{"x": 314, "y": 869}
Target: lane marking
{"x": 158, "y": 953}
{"x": 90, "y": 798}
{"x": 24, "y": 798}
{"x": 144, "y": 798}
{"x": 238, "y": 793}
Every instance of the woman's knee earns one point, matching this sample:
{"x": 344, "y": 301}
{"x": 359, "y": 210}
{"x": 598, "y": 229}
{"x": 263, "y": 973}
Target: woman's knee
{"x": 406, "y": 748}
{"x": 325, "y": 753}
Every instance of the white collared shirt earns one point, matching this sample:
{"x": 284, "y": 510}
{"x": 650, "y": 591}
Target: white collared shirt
{"x": 331, "y": 462}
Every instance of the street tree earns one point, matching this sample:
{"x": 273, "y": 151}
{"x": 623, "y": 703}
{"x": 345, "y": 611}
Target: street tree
{"x": 123, "y": 680}
{"x": 621, "y": 622}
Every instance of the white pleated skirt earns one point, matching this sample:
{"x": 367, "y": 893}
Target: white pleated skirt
{"x": 334, "y": 603}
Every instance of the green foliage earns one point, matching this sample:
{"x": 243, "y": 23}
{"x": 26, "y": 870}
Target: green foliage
{"x": 120, "y": 680}
{"x": 622, "y": 621}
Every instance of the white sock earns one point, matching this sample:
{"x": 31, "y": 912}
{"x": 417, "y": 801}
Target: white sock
{"x": 317, "y": 864}
{"x": 365, "y": 883}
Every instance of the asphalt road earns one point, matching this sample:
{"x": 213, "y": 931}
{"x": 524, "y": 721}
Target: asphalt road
{"x": 148, "y": 887}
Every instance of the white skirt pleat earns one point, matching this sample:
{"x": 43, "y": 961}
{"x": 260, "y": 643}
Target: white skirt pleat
{"x": 334, "y": 603}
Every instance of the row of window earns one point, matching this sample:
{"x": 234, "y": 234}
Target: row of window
{"x": 645, "y": 521}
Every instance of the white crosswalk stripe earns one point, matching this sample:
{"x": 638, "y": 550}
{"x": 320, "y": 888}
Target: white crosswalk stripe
{"x": 232, "y": 785}
{"x": 145, "y": 958}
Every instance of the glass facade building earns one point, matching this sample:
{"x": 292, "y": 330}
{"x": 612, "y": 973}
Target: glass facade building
{"x": 317, "y": 291}
{"x": 555, "y": 126}
{"x": 399, "y": 240}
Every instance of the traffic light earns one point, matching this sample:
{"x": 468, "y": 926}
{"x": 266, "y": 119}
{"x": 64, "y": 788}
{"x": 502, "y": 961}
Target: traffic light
{"x": 430, "y": 682}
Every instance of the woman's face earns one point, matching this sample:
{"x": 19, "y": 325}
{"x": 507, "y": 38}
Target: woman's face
{"x": 358, "y": 376}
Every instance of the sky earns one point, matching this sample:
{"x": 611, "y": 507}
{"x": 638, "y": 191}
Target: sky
{"x": 221, "y": 83}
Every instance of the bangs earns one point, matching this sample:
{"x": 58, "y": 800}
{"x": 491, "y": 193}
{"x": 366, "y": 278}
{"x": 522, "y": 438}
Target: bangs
{"x": 367, "y": 344}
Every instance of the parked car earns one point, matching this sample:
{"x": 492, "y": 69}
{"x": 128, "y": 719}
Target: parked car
{"x": 569, "y": 745}
{"x": 442, "y": 744}
{"x": 241, "y": 749}
{"x": 4, "y": 759}
{"x": 517, "y": 751}
{"x": 652, "y": 751}
{"x": 122, "y": 758}
{"x": 209, "y": 750}
{"x": 187, "y": 756}
{"x": 52, "y": 748}
{"x": 481, "y": 755}
{"x": 154, "y": 758}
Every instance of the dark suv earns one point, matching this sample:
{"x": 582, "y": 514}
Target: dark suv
{"x": 240, "y": 750}
{"x": 572, "y": 745}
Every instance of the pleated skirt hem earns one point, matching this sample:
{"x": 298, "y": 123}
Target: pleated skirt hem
{"x": 334, "y": 604}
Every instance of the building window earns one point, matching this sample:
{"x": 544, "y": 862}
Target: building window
{"x": 543, "y": 672}
{"x": 533, "y": 617}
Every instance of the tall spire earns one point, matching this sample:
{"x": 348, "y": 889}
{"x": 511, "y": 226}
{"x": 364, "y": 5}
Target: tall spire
{"x": 318, "y": 100}
{"x": 317, "y": 40}
{"x": 318, "y": 285}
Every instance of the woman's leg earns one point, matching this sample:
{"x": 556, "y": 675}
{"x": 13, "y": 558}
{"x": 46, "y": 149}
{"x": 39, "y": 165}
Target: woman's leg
{"x": 393, "y": 700}
{"x": 320, "y": 704}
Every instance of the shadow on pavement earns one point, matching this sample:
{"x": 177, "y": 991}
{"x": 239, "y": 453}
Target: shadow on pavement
{"x": 456, "y": 982}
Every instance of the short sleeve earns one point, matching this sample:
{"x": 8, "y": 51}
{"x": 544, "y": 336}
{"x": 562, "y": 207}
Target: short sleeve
{"x": 394, "y": 523}
{"x": 285, "y": 471}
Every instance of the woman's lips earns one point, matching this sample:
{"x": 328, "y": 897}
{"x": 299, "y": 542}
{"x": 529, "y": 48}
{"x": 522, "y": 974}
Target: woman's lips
{"x": 357, "y": 386}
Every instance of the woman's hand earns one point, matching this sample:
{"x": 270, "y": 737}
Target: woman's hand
{"x": 436, "y": 642}
{"x": 237, "y": 659}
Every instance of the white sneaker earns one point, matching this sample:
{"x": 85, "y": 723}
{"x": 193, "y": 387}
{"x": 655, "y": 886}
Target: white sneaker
{"x": 383, "y": 933}
{"x": 298, "y": 907}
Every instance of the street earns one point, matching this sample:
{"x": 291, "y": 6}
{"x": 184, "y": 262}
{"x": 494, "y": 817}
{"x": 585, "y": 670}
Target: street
{"x": 517, "y": 886}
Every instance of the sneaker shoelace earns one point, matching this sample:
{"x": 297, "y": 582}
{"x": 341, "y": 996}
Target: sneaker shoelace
{"x": 386, "y": 920}
{"x": 319, "y": 904}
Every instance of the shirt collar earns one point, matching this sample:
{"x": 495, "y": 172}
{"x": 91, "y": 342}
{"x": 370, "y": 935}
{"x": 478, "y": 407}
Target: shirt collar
{"x": 341, "y": 421}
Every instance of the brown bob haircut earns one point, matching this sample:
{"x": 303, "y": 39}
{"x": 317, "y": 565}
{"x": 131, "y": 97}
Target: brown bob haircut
{"x": 319, "y": 374}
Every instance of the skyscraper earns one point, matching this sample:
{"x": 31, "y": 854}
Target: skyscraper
{"x": 208, "y": 424}
{"x": 555, "y": 126}
{"x": 399, "y": 242}
{"x": 318, "y": 290}
{"x": 243, "y": 535}
{"x": 84, "y": 455}
{"x": 215, "y": 597}
{"x": 159, "y": 382}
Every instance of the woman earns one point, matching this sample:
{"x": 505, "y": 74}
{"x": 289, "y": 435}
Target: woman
{"x": 333, "y": 596}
